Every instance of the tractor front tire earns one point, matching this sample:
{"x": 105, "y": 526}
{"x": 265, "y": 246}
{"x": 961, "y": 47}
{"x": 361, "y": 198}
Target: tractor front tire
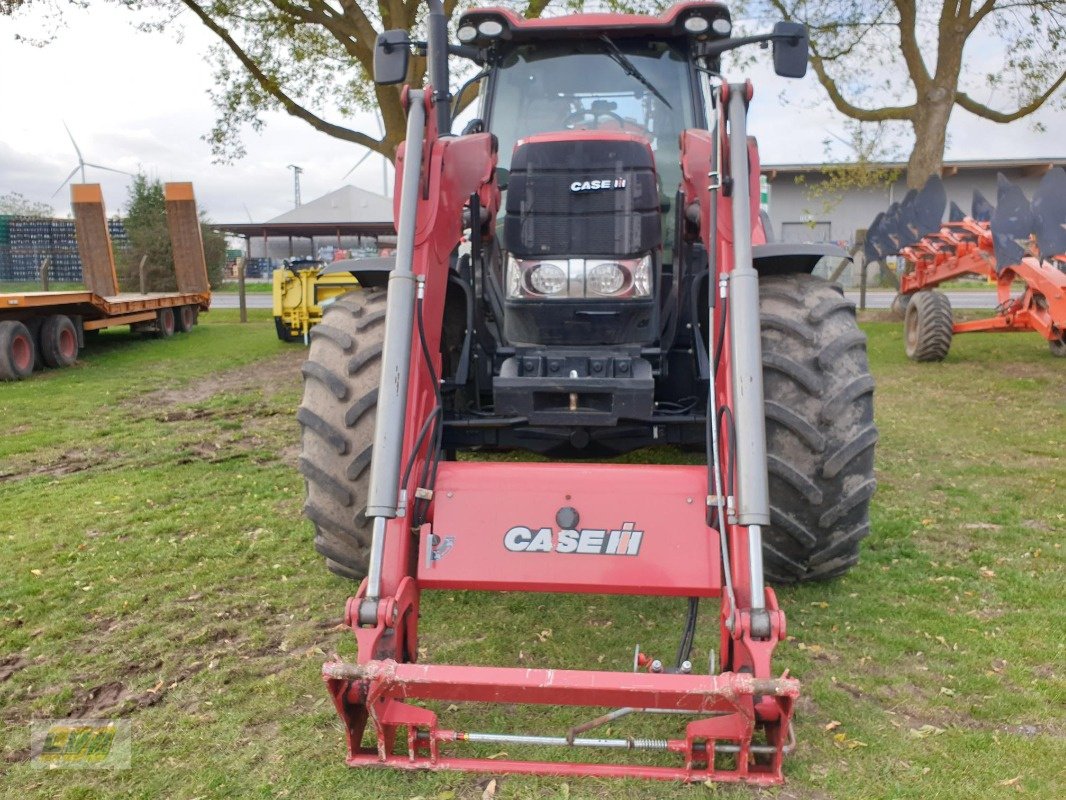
{"x": 820, "y": 432}
{"x": 928, "y": 326}
{"x": 341, "y": 378}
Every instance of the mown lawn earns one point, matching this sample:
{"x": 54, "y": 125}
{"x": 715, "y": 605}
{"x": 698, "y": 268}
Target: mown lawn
{"x": 156, "y": 568}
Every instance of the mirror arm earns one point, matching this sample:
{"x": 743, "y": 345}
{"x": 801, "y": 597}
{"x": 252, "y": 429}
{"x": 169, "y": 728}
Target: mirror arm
{"x": 717, "y": 48}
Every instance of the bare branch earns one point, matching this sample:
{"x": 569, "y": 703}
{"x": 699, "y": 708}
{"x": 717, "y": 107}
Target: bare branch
{"x": 908, "y": 42}
{"x": 853, "y": 111}
{"x": 274, "y": 90}
{"x": 984, "y": 111}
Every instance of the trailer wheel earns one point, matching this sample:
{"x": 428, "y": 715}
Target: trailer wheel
{"x": 33, "y": 325}
{"x": 285, "y": 334}
{"x": 928, "y": 326}
{"x": 17, "y": 351}
{"x": 820, "y": 432}
{"x": 165, "y": 323}
{"x": 185, "y": 319}
{"x": 58, "y": 340}
{"x": 899, "y": 305}
{"x": 341, "y": 378}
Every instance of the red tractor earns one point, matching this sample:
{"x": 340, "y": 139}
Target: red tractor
{"x": 618, "y": 291}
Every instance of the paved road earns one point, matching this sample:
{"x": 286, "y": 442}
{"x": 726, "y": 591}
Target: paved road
{"x": 230, "y": 300}
{"x": 971, "y": 299}
{"x": 874, "y": 299}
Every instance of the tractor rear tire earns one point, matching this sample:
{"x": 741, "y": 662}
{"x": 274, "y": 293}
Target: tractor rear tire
{"x": 341, "y": 378}
{"x": 1058, "y": 347}
{"x": 928, "y": 326}
{"x": 820, "y": 432}
{"x": 18, "y": 351}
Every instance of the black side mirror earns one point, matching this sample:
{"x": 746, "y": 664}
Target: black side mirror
{"x": 790, "y": 49}
{"x": 503, "y": 177}
{"x": 390, "y": 57}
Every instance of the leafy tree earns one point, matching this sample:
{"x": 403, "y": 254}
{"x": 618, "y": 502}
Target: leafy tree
{"x": 310, "y": 59}
{"x": 17, "y": 204}
{"x": 903, "y": 61}
{"x": 149, "y": 238}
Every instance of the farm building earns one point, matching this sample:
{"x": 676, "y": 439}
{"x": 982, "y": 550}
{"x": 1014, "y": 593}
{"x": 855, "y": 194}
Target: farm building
{"x": 798, "y": 216}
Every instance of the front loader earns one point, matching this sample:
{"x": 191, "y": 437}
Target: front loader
{"x": 581, "y": 273}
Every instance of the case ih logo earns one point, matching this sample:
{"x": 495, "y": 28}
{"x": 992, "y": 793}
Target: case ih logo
{"x": 592, "y": 541}
{"x": 598, "y": 186}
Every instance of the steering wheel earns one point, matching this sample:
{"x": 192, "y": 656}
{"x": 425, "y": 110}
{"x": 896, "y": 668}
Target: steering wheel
{"x": 573, "y": 118}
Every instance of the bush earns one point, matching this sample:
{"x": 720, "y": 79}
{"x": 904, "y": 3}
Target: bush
{"x": 149, "y": 238}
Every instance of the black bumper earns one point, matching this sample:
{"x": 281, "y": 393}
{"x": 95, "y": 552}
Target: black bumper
{"x": 575, "y": 389}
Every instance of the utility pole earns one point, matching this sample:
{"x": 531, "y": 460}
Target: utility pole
{"x": 296, "y": 182}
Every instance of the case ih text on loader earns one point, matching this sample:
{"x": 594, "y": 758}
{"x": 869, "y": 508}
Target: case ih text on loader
{"x": 622, "y": 295}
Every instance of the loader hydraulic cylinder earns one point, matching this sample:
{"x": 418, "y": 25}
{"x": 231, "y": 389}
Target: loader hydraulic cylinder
{"x": 752, "y": 489}
{"x": 396, "y": 353}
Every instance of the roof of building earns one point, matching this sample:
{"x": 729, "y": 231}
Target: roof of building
{"x": 347, "y": 211}
{"x": 346, "y": 204}
{"x": 1034, "y": 166}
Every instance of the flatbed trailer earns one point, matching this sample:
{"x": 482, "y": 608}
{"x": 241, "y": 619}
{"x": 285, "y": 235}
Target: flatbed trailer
{"x": 48, "y": 329}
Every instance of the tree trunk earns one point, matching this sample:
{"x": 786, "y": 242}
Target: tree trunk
{"x": 930, "y": 135}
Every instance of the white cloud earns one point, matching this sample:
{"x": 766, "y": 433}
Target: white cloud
{"x": 136, "y": 100}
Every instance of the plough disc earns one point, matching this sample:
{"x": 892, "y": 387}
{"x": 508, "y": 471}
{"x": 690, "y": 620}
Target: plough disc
{"x": 1012, "y": 224}
{"x": 981, "y": 210}
{"x": 1049, "y": 216}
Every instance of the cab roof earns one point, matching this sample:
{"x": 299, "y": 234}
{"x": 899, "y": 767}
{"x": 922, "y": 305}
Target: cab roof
{"x": 668, "y": 24}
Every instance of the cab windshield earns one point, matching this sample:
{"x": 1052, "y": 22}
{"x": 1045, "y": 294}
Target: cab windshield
{"x": 595, "y": 84}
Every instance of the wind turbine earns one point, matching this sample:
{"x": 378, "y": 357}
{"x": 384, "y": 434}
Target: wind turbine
{"x": 384, "y": 161}
{"x": 82, "y": 164}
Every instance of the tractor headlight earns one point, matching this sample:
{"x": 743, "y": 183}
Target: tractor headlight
{"x": 697, "y": 24}
{"x": 605, "y": 278}
{"x": 577, "y": 278}
{"x": 547, "y": 279}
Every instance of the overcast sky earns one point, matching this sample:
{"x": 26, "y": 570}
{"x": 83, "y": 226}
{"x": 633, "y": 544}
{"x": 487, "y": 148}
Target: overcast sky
{"x": 138, "y": 101}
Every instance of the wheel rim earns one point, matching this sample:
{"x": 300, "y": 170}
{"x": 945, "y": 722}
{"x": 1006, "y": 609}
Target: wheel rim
{"x": 168, "y": 321}
{"x": 68, "y": 345}
{"x": 22, "y": 352}
{"x": 186, "y": 317}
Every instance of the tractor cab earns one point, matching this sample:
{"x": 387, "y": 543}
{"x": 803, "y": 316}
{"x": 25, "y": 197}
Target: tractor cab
{"x": 588, "y": 117}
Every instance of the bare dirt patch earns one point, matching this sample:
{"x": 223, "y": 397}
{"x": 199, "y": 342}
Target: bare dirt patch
{"x": 116, "y": 699}
{"x": 68, "y": 463}
{"x": 878, "y": 315}
{"x": 10, "y": 665}
{"x": 270, "y": 376}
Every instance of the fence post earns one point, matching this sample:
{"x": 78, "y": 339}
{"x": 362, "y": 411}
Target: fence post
{"x": 862, "y": 285}
{"x": 44, "y": 272}
{"x": 240, "y": 290}
{"x": 143, "y": 277}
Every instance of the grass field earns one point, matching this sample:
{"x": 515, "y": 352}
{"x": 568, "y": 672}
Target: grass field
{"x": 156, "y": 568}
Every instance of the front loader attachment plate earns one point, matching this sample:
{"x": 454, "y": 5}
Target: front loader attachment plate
{"x": 599, "y": 528}
{"x": 716, "y": 741}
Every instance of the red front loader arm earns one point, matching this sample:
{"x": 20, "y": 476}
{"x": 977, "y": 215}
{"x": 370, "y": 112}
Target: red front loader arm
{"x": 644, "y": 530}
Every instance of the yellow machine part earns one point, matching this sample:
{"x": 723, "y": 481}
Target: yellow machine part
{"x": 299, "y": 298}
